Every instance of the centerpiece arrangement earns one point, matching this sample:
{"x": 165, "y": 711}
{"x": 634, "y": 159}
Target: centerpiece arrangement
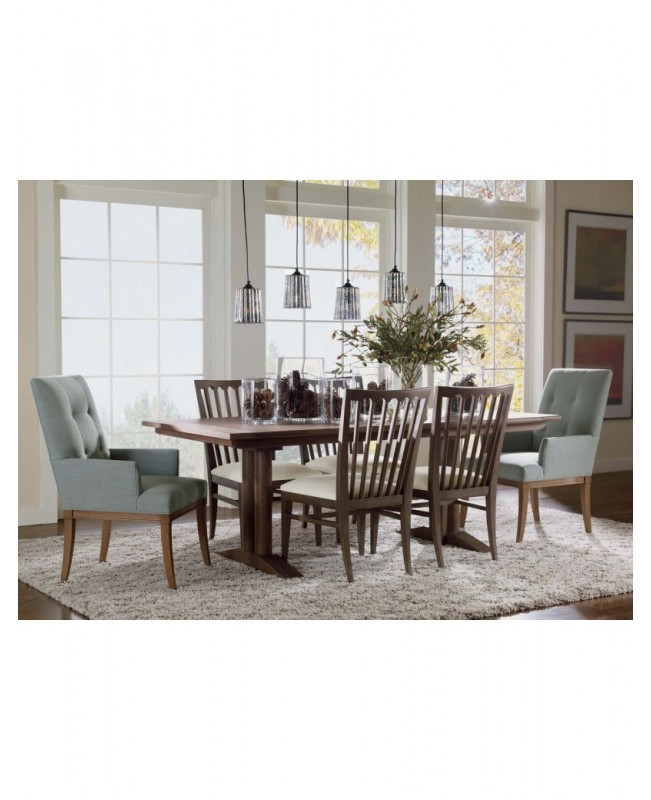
{"x": 407, "y": 338}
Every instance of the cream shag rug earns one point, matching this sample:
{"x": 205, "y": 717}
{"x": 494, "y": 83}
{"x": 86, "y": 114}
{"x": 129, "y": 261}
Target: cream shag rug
{"x": 557, "y": 563}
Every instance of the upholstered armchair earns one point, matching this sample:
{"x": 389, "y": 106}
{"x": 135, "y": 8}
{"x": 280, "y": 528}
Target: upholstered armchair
{"x": 564, "y": 451}
{"x": 111, "y": 484}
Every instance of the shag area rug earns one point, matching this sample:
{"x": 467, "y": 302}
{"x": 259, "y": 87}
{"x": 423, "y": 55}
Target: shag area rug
{"x": 557, "y": 563}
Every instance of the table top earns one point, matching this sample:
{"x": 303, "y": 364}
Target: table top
{"x": 231, "y": 431}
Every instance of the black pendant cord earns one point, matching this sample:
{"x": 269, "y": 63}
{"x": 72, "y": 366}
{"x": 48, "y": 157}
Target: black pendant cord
{"x": 246, "y": 240}
{"x": 442, "y": 229}
{"x": 395, "y": 223}
{"x": 347, "y": 234}
{"x": 297, "y": 270}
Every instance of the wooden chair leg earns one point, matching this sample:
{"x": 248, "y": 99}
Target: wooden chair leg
{"x": 375, "y": 521}
{"x": 361, "y": 533}
{"x": 203, "y": 534}
{"x": 285, "y": 524}
{"x": 491, "y": 524}
{"x": 405, "y": 535}
{"x": 106, "y": 538}
{"x": 523, "y": 502}
{"x": 437, "y": 520}
{"x": 463, "y": 513}
{"x": 342, "y": 526}
{"x": 534, "y": 505}
{"x": 585, "y": 505}
{"x": 317, "y": 528}
{"x": 168, "y": 559}
{"x": 213, "y": 515}
{"x": 306, "y": 510}
{"x": 69, "y": 527}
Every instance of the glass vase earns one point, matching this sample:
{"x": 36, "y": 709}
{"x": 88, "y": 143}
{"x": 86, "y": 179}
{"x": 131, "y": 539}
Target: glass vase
{"x": 259, "y": 401}
{"x": 300, "y": 389}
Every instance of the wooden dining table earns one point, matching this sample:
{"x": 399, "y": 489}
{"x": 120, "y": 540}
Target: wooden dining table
{"x": 257, "y": 445}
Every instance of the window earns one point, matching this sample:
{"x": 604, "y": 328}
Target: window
{"x": 132, "y": 315}
{"x": 485, "y": 261}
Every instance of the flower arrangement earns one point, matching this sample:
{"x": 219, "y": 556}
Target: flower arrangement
{"x": 408, "y": 338}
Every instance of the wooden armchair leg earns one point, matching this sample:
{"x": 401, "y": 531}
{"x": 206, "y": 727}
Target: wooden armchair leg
{"x": 106, "y": 538}
{"x": 523, "y": 502}
{"x": 69, "y": 527}
{"x": 168, "y": 559}
{"x": 585, "y": 505}
{"x": 535, "y": 508}
{"x": 203, "y": 533}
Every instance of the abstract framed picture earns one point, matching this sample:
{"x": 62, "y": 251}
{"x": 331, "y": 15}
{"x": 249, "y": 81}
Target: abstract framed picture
{"x": 595, "y": 344}
{"x": 598, "y": 263}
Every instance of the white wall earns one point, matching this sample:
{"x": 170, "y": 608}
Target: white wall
{"x": 609, "y": 197}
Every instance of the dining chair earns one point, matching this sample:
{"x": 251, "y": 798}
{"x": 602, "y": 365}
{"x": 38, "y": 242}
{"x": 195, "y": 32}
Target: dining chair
{"x": 466, "y": 440}
{"x": 111, "y": 484}
{"x": 366, "y": 481}
{"x": 563, "y": 453}
{"x": 219, "y": 399}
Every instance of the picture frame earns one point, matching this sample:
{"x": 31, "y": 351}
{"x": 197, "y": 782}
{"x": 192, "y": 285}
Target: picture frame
{"x": 598, "y": 263}
{"x": 604, "y": 344}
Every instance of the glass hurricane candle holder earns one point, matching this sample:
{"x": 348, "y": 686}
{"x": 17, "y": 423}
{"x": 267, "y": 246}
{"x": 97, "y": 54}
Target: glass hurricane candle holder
{"x": 335, "y": 389}
{"x": 300, "y": 383}
{"x": 259, "y": 401}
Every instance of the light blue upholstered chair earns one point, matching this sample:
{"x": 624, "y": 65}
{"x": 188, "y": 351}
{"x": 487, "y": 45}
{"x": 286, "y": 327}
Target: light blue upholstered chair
{"x": 117, "y": 484}
{"x": 564, "y": 451}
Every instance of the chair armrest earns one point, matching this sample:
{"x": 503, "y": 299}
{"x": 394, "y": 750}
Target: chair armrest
{"x": 98, "y": 484}
{"x": 567, "y": 456}
{"x": 152, "y": 461}
{"x": 518, "y": 442}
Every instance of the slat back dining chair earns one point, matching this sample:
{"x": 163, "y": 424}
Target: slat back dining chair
{"x": 468, "y": 426}
{"x": 95, "y": 482}
{"x": 376, "y": 458}
{"x": 218, "y": 399}
{"x": 564, "y": 452}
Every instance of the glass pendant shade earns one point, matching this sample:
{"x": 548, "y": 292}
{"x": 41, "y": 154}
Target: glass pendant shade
{"x": 394, "y": 281}
{"x": 297, "y": 290}
{"x": 248, "y": 305}
{"x": 248, "y": 301}
{"x": 442, "y": 296}
{"x": 297, "y": 286}
{"x": 394, "y": 286}
{"x": 347, "y": 304}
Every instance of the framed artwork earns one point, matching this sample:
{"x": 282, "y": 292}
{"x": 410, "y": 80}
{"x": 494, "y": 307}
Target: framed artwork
{"x": 595, "y": 344}
{"x": 598, "y": 263}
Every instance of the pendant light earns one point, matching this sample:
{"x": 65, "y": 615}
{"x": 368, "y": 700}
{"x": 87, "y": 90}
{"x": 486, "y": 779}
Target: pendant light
{"x": 297, "y": 285}
{"x": 442, "y": 295}
{"x": 394, "y": 280}
{"x": 347, "y": 305}
{"x": 248, "y": 301}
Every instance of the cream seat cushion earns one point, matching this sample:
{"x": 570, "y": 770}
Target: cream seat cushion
{"x": 280, "y": 471}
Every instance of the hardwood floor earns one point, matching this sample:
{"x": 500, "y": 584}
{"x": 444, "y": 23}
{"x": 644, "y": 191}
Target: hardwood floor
{"x": 612, "y": 498}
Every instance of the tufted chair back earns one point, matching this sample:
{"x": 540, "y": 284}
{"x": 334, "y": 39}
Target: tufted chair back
{"x": 69, "y": 418}
{"x": 580, "y": 397}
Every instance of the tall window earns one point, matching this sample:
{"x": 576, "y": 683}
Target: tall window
{"x": 132, "y": 315}
{"x": 308, "y": 332}
{"x": 485, "y": 262}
